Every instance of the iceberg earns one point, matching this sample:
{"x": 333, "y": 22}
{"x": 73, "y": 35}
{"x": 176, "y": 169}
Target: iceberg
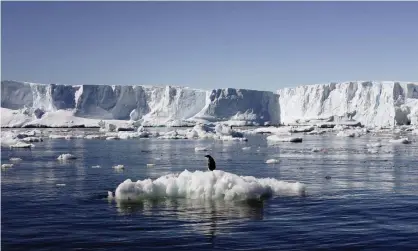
{"x": 368, "y": 102}
{"x": 120, "y": 107}
{"x": 51, "y": 105}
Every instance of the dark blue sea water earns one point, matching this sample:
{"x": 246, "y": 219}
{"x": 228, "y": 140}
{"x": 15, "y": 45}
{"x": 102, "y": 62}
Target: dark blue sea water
{"x": 369, "y": 203}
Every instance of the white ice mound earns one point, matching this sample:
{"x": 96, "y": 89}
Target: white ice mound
{"x": 201, "y": 149}
{"x": 66, "y": 156}
{"x": 119, "y": 167}
{"x": 276, "y": 138}
{"x": 15, "y": 159}
{"x": 374, "y": 145}
{"x": 5, "y": 166}
{"x": 400, "y": 141}
{"x": 272, "y": 161}
{"x": 206, "y": 186}
{"x": 21, "y": 145}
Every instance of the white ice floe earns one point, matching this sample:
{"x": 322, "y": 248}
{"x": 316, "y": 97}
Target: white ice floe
{"x": 220, "y": 132}
{"x": 302, "y": 129}
{"x": 15, "y": 159}
{"x": 112, "y": 138}
{"x": 317, "y": 132}
{"x": 276, "y": 138}
{"x": 374, "y": 145}
{"x": 94, "y": 136}
{"x": 119, "y": 167}
{"x": 22, "y": 145}
{"x": 206, "y": 186}
{"x": 201, "y": 149}
{"x": 5, "y": 166}
{"x": 400, "y": 141}
{"x": 32, "y": 139}
{"x": 172, "y": 135}
{"x": 66, "y": 156}
{"x": 54, "y": 136}
{"x": 272, "y": 161}
{"x": 247, "y": 148}
{"x": 284, "y": 130}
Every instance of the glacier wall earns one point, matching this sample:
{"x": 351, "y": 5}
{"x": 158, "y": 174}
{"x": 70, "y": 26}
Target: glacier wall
{"x": 151, "y": 105}
{"x": 371, "y": 103}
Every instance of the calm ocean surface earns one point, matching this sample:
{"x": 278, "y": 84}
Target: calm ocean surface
{"x": 370, "y": 202}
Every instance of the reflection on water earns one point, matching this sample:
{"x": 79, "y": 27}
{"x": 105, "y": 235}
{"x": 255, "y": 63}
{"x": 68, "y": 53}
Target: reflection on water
{"x": 205, "y": 216}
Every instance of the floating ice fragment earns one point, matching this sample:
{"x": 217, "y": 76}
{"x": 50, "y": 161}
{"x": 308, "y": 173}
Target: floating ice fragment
{"x": 119, "y": 167}
{"x": 400, "y": 141}
{"x": 66, "y": 156}
{"x": 276, "y": 138}
{"x": 207, "y": 185}
{"x": 201, "y": 149}
{"x": 5, "y": 166}
{"x": 272, "y": 161}
{"x": 15, "y": 159}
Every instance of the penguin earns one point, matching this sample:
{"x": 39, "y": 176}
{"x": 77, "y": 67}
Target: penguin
{"x": 211, "y": 163}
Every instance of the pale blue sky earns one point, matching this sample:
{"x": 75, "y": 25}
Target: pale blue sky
{"x": 256, "y": 45}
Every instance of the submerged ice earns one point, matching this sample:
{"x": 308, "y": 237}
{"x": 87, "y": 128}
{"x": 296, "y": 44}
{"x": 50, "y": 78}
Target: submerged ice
{"x": 206, "y": 186}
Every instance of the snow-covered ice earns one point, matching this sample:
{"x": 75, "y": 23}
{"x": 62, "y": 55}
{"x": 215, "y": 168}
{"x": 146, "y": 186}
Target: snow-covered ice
{"x": 5, "y": 166}
{"x": 278, "y": 138}
{"x": 272, "y": 161}
{"x": 66, "y": 156}
{"x": 22, "y": 145}
{"x": 32, "y": 139}
{"x": 374, "y": 145}
{"x": 400, "y": 141}
{"x": 114, "y": 108}
{"x": 15, "y": 159}
{"x": 119, "y": 167}
{"x": 206, "y": 186}
{"x": 201, "y": 149}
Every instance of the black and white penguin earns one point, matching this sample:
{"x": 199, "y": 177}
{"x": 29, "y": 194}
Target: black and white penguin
{"x": 211, "y": 163}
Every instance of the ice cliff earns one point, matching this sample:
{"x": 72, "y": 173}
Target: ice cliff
{"x": 63, "y": 105}
{"x": 371, "y": 103}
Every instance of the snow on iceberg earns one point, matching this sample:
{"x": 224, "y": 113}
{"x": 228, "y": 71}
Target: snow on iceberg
{"x": 29, "y": 104}
{"x": 371, "y": 103}
{"x": 216, "y": 185}
{"x": 349, "y": 103}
